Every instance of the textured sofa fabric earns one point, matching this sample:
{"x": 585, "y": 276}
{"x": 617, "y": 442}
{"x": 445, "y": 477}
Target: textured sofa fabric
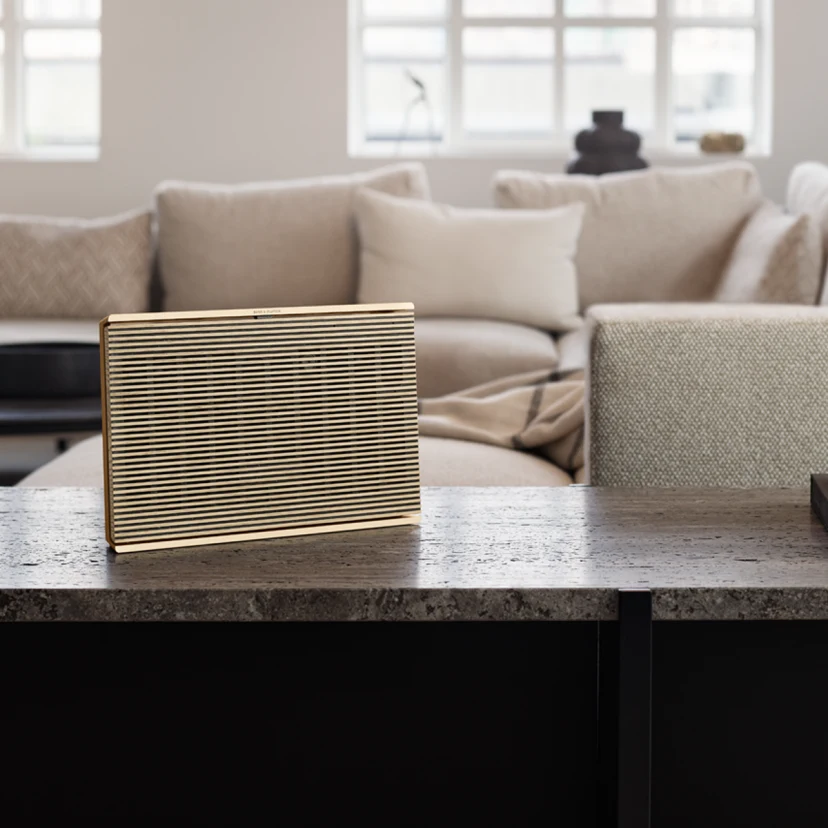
{"x": 75, "y": 268}
{"x": 662, "y": 235}
{"x": 281, "y": 244}
{"x": 707, "y": 395}
{"x": 460, "y": 463}
{"x": 443, "y": 462}
{"x": 456, "y": 354}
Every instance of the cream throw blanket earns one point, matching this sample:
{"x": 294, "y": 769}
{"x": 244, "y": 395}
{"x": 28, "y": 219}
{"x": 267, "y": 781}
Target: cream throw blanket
{"x": 538, "y": 412}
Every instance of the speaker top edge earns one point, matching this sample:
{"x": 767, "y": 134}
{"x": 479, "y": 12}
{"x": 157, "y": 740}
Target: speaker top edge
{"x": 257, "y": 312}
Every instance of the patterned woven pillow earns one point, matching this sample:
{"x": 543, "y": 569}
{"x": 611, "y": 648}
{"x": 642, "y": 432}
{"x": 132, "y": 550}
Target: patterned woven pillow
{"x": 73, "y": 268}
{"x": 778, "y": 260}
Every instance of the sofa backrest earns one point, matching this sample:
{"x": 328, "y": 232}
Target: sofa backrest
{"x": 808, "y": 193}
{"x": 289, "y": 243}
{"x": 661, "y": 235}
{"x": 707, "y": 395}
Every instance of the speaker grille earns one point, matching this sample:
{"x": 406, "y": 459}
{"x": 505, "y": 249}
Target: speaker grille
{"x": 250, "y": 425}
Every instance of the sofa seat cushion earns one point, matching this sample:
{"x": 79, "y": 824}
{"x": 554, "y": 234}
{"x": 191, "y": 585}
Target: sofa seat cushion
{"x": 279, "y": 244}
{"x": 443, "y": 462}
{"x": 80, "y": 467}
{"x": 456, "y": 354}
{"x": 662, "y": 235}
{"x": 48, "y": 331}
{"x": 460, "y": 463}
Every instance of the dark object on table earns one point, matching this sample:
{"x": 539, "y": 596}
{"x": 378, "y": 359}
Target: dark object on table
{"x": 607, "y": 147}
{"x": 50, "y": 371}
{"x": 819, "y": 497}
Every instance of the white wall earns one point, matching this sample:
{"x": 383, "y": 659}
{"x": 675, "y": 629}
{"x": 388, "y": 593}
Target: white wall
{"x": 232, "y": 90}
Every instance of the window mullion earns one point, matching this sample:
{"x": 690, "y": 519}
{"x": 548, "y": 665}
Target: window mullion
{"x": 357, "y": 129}
{"x": 12, "y": 77}
{"x": 762, "y": 77}
{"x": 665, "y": 136}
{"x": 559, "y": 86}
{"x": 454, "y": 120}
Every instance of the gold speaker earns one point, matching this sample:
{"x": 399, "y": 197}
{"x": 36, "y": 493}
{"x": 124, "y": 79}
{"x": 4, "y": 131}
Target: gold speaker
{"x": 236, "y": 425}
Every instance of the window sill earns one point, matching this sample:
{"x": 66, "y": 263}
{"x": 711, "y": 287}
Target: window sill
{"x": 74, "y": 155}
{"x": 423, "y": 152}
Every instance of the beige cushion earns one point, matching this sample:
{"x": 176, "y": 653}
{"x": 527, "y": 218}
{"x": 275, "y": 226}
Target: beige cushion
{"x": 660, "y": 235}
{"x": 461, "y": 463}
{"x": 707, "y": 395}
{"x": 281, "y": 244}
{"x": 573, "y": 351}
{"x": 778, "y": 259}
{"x": 80, "y": 467}
{"x": 42, "y": 331}
{"x": 75, "y": 268}
{"x": 808, "y": 193}
{"x": 444, "y": 463}
{"x": 516, "y": 267}
{"x": 456, "y": 354}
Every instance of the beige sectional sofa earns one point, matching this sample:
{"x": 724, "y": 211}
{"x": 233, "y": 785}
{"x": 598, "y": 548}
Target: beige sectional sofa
{"x": 666, "y": 235}
{"x": 679, "y": 395}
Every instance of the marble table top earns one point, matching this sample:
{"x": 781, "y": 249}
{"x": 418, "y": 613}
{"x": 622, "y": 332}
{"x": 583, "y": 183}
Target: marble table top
{"x": 480, "y": 554}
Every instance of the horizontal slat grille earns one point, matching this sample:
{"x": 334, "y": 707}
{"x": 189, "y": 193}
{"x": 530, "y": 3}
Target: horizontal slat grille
{"x": 242, "y": 425}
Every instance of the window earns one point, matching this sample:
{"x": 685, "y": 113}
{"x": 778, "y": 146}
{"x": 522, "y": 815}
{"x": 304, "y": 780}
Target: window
{"x": 465, "y": 75}
{"x": 50, "y": 74}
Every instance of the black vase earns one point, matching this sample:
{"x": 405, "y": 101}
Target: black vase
{"x": 607, "y": 147}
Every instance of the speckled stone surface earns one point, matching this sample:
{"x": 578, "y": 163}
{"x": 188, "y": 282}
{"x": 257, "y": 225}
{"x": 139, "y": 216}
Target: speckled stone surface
{"x": 480, "y": 554}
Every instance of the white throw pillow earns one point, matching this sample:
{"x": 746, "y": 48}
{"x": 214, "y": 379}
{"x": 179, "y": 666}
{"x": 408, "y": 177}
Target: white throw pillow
{"x": 778, "y": 260}
{"x": 660, "y": 235}
{"x": 808, "y": 193}
{"x": 486, "y": 264}
{"x": 277, "y": 244}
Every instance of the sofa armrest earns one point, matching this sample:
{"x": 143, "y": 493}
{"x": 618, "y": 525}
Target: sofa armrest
{"x": 707, "y": 395}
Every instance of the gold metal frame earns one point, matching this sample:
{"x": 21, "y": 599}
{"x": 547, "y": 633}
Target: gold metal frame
{"x": 412, "y": 518}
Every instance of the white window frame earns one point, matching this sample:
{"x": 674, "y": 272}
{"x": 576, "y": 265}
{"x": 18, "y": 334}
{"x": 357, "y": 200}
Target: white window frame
{"x": 12, "y": 141}
{"x": 658, "y": 143}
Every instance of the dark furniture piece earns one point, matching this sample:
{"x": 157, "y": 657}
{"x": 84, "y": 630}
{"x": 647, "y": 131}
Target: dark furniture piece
{"x": 52, "y": 371}
{"x": 647, "y": 657}
{"x": 65, "y": 416}
{"x": 49, "y": 389}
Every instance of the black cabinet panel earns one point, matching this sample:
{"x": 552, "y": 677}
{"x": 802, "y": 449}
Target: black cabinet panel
{"x": 740, "y": 725}
{"x": 432, "y": 724}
